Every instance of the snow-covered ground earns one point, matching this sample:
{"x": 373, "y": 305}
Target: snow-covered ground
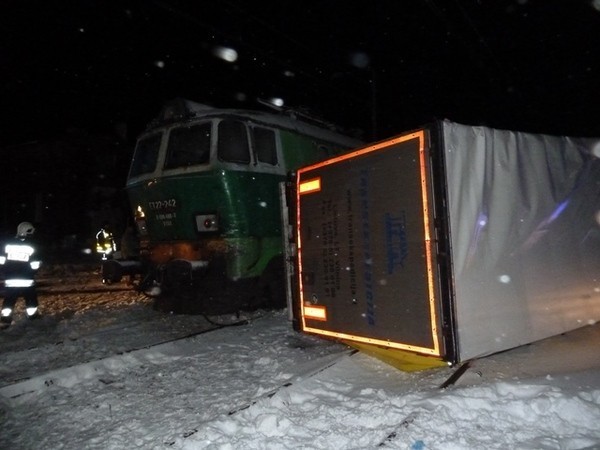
{"x": 90, "y": 375}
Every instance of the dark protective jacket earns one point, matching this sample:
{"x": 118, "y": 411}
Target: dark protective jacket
{"x": 19, "y": 262}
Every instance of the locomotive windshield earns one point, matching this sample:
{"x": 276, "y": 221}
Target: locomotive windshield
{"x": 234, "y": 145}
{"x": 146, "y": 155}
{"x": 188, "y": 146}
{"x": 233, "y": 142}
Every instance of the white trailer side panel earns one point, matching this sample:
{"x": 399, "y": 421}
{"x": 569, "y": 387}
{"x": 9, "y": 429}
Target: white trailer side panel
{"x": 524, "y": 213}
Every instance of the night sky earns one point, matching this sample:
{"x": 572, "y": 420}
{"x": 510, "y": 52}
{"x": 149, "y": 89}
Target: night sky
{"x": 380, "y": 67}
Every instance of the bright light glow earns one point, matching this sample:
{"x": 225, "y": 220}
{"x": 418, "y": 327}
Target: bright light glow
{"x": 19, "y": 248}
{"x": 6, "y": 312}
{"x": 18, "y": 252}
{"x": 35, "y": 265}
{"x": 277, "y": 101}
{"x": 17, "y": 282}
{"x": 226, "y": 54}
{"x": 159, "y": 64}
{"x": 596, "y": 147}
{"x": 31, "y": 310}
{"x": 504, "y": 279}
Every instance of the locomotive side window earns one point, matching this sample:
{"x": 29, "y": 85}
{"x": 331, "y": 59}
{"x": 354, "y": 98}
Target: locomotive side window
{"x": 188, "y": 146}
{"x": 265, "y": 146}
{"x": 233, "y": 142}
{"x": 145, "y": 156}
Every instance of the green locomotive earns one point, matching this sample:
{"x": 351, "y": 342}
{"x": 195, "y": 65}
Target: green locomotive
{"x": 204, "y": 189}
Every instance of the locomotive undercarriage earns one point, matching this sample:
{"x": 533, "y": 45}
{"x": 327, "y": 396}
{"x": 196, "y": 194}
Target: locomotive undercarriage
{"x": 193, "y": 287}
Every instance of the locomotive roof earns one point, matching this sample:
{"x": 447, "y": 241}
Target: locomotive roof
{"x": 183, "y": 110}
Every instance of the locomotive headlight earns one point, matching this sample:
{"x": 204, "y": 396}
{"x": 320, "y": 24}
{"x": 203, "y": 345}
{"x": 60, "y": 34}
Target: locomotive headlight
{"x": 141, "y": 226}
{"x": 207, "y": 222}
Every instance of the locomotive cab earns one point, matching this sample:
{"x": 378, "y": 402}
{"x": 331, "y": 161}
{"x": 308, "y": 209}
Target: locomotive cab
{"x": 203, "y": 185}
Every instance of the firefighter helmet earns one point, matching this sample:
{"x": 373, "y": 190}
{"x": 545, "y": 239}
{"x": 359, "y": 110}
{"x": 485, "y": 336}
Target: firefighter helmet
{"x": 25, "y": 229}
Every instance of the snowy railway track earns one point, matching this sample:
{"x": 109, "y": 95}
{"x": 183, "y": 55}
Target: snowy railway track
{"x": 19, "y": 390}
{"x": 212, "y": 325}
{"x": 308, "y": 378}
{"x": 316, "y": 367}
{"x": 29, "y": 385}
{"x": 311, "y": 369}
{"x": 264, "y": 385}
{"x": 302, "y": 374}
{"x": 103, "y": 370}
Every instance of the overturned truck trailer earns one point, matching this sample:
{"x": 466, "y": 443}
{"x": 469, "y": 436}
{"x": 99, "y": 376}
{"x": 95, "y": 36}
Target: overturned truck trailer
{"x": 447, "y": 243}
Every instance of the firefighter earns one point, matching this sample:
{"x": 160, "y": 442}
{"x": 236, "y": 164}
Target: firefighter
{"x": 20, "y": 261}
{"x": 105, "y": 242}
